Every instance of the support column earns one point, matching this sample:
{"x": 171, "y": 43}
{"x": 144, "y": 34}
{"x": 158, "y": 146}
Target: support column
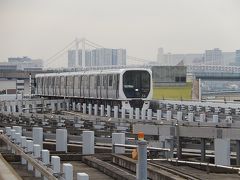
{"x": 202, "y": 117}
{"x": 203, "y": 149}
{"x": 56, "y": 164}
{"x": 222, "y": 151}
{"x": 143, "y": 114}
{"x": 84, "y": 108}
{"x": 37, "y": 155}
{"x": 30, "y": 152}
{"x": 108, "y": 111}
{"x": 74, "y": 106}
{"x": 89, "y": 109}
{"x": 123, "y": 113}
{"x": 131, "y": 113}
{"x": 45, "y": 159}
{"x": 115, "y": 111}
{"x": 95, "y": 109}
{"x": 159, "y": 115}
{"x": 179, "y": 116}
{"x": 24, "y": 147}
{"x": 102, "y": 110}
{"x": 238, "y": 152}
{"x": 215, "y": 118}
{"x": 53, "y": 107}
{"x": 88, "y": 142}
{"x": 18, "y": 129}
{"x": 37, "y": 135}
{"x": 190, "y": 117}
{"x": 67, "y": 106}
{"x": 137, "y": 113}
{"x": 118, "y": 138}
{"x": 169, "y": 115}
{"x": 18, "y": 139}
{"x": 79, "y": 107}
{"x": 61, "y": 140}
{"x": 149, "y": 114}
{"x": 82, "y": 176}
{"x": 142, "y": 160}
{"x": 68, "y": 171}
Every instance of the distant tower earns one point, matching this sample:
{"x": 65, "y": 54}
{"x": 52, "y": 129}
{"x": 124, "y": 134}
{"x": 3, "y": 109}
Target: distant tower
{"x": 160, "y": 56}
{"x": 237, "y": 57}
{"x": 213, "y": 57}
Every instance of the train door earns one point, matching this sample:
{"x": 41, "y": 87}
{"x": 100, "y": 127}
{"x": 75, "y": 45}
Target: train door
{"x": 98, "y": 86}
{"x": 76, "y": 86}
{"x": 104, "y": 86}
{"x": 110, "y": 90}
{"x": 92, "y": 86}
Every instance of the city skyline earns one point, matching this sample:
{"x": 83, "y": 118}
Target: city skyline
{"x": 41, "y": 28}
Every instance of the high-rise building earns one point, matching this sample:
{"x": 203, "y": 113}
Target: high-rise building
{"x": 160, "y": 56}
{"x": 237, "y": 57}
{"x": 213, "y": 57}
{"x": 98, "y": 57}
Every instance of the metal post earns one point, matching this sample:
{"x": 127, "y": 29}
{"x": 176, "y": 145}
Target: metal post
{"x": 149, "y": 114}
{"x": 123, "y": 113}
{"x": 143, "y": 114}
{"x": 159, "y": 114}
{"x": 89, "y": 109}
{"x": 108, "y": 111}
{"x": 95, "y": 109}
{"x": 131, "y": 113}
{"x": 142, "y": 160}
{"x": 84, "y": 108}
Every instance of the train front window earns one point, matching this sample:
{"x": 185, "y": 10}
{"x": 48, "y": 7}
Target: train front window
{"x": 136, "y": 84}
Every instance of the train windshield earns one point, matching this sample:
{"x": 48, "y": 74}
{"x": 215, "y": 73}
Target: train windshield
{"x": 136, "y": 84}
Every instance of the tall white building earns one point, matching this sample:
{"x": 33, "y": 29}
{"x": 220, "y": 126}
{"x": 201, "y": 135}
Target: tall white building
{"x": 213, "y": 57}
{"x": 160, "y": 56}
{"x": 98, "y": 57}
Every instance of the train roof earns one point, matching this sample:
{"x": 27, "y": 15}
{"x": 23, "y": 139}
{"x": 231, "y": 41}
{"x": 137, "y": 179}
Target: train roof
{"x": 105, "y": 71}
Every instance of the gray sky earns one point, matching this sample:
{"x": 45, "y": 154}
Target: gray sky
{"x": 40, "y": 28}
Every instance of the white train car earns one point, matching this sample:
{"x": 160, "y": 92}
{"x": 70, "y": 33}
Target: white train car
{"x": 123, "y": 87}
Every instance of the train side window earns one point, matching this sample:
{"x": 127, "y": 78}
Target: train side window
{"x": 110, "y": 80}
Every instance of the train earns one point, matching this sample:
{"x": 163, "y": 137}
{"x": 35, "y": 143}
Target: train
{"x": 126, "y": 88}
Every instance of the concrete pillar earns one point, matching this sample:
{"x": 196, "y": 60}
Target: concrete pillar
{"x": 8, "y": 131}
{"x": 61, "y": 140}
{"x": 14, "y": 107}
{"x": 24, "y": 147}
{"x": 137, "y": 113}
{"x": 179, "y": 116}
{"x": 102, "y": 110}
{"x": 169, "y": 115}
{"x": 79, "y": 107}
{"x": 37, "y": 135}
{"x": 149, "y": 114}
{"x": 37, "y": 155}
{"x": 229, "y": 119}
{"x": 82, "y": 176}
{"x": 123, "y": 113}
{"x": 222, "y": 151}
{"x": 45, "y": 158}
{"x": 12, "y": 137}
{"x": 74, "y": 106}
{"x": 56, "y": 164}
{"x": 159, "y": 114}
{"x": 118, "y": 138}
{"x": 203, "y": 149}
{"x": 18, "y": 129}
{"x": 95, "y": 109}
{"x": 190, "y": 117}
{"x": 238, "y": 152}
{"x": 8, "y": 108}
{"x": 67, "y": 106}
{"x": 34, "y": 110}
{"x": 202, "y": 117}
{"x": 30, "y": 152}
{"x": 215, "y": 118}
{"x": 88, "y": 142}
{"x": 131, "y": 113}
{"x": 84, "y": 108}
{"x": 108, "y": 111}
{"x": 142, "y": 160}
{"x": 19, "y": 106}
{"x": 53, "y": 107}
{"x": 115, "y": 111}
{"x": 89, "y": 109}
{"x": 59, "y": 106}
{"x": 143, "y": 114}
{"x": 68, "y": 171}
{"x": 18, "y": 138}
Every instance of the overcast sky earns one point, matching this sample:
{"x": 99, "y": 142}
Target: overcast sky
{"x": 40, "y": 28}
